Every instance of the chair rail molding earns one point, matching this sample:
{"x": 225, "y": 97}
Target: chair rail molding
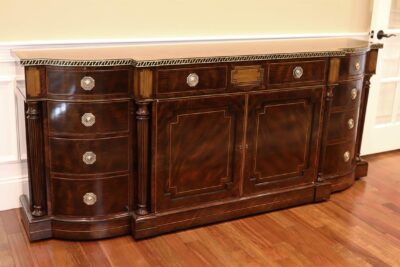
{"x": 13, "y": 169}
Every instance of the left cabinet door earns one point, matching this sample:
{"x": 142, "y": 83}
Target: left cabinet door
{"x": 198, "y": 150}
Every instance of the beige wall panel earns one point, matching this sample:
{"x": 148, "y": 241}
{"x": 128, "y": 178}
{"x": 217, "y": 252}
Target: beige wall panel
{"x": 43, "y": 20}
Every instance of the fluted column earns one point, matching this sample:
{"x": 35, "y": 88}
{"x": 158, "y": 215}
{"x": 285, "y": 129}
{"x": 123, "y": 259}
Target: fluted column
{"x": 37, "y": 178}
{"x": 361, "y": 118}
{"x": 142, "y": 121}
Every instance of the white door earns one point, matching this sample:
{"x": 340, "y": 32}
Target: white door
{"x": 382, "y": 121}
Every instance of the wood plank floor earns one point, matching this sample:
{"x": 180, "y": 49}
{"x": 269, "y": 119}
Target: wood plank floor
{"x": 357, "y": 227}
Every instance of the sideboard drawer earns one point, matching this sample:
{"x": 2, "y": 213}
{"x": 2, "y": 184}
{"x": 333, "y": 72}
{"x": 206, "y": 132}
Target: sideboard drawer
{"x": 90, "y": 197}
{"x": 191, "y": 79}
{"x": 351, "y": 66}
{"x": 347, "y": 94}
{"x": 338, "y": 158}
{"x": 343, "y": 125}
{"x": 297, "y": 72}
{"x": 87, "y": 81}
{"x": 89, "y": 156}
{"x": 88, "y": 118}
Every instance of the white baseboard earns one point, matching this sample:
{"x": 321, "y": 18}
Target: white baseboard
{"x": 13, "y": 183}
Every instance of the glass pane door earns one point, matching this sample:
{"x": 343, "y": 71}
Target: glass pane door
{"x": 382, "y": 122}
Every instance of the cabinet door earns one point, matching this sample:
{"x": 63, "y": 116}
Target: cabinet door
{"x": 197, "y": 150}
{"x": 282, "y": 136}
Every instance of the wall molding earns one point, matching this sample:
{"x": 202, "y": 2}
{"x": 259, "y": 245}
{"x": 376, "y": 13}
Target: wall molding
{"x": 212, "y": 38}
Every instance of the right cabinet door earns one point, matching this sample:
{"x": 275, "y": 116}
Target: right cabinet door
{"x": 283, "y": 130}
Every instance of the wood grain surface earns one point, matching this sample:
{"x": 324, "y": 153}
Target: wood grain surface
{"x": 357, "y": 227}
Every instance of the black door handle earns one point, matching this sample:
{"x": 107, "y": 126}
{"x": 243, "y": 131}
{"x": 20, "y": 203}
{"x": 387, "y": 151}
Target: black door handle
{"x": 381, "y": 35}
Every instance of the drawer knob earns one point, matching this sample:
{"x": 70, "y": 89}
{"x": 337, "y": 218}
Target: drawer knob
{"x": 89, "y": 158}
{"x": 192, "y": 79}
{"x": 357, "y": 66}
{"x": 89, "y": 198}
{"x": 354, "y": 93}
{"x": 350, "y": 124}
{"x": 88, "y": 119}
{"x": 346, "y": 156}
{"x": 297, "y": 72}
{"x": 87, "y": 83}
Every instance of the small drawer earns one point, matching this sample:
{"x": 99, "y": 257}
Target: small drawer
{"x": 338, "y": 158}
{"x": 297, "y": 72}
{"x": 342, "y": 125}
{"x": 88, "y": 82}
{"x": 89, "y": 156}
{"x": 191, "y": 79}
{"x": 351, "y": 66}
{"x": 90, "y": 197}
{"x": 88, "y": 118}
{"x": 347, "y": 94}
{"x": 247, "y": 76}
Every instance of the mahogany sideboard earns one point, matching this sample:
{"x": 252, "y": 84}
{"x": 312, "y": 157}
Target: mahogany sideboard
{"x": 148, "y": 139}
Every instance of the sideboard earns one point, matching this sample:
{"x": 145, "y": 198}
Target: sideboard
{"x": 148, "y": 139}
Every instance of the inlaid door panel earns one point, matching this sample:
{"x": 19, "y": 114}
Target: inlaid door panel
{"x": 198, "y": 156}
{"x": 282, "y": 138}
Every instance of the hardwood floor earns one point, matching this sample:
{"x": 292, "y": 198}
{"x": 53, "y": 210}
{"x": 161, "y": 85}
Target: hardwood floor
{"x": 357, "y": 227}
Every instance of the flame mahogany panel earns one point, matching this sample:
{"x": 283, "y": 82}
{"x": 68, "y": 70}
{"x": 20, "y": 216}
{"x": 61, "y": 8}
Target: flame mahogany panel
{"x": 198, "y": 150}
{"x": 282, "y": 134}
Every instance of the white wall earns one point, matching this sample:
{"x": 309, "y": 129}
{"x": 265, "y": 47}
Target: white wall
{"x": 13, "y": 169}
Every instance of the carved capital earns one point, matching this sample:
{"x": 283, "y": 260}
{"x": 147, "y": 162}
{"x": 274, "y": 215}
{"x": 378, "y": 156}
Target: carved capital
{"x": 142, "y": 112}
{"x": 329, "y": 93}
{"x": 32, "y": 111}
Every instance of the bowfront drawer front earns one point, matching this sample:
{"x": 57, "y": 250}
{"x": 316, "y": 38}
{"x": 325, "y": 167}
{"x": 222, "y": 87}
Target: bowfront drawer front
{"x": 191, "y": 79}
{"x": 347, "y": 94}
{"x": 88, "y": 118}
{"x": 89, "y": 156}
{"x": 351, "y": 66}
{"x": 90, "y": 197}
{"x": 85, "y": 82}
{"x": 297, "y": 72}
{"x": 338, "y": 158}
{"x": 343, "y": 125}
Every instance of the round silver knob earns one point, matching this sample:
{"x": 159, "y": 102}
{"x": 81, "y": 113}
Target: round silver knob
{"x": 88, "y": 119}
{"x": 357, "y": 66}
{"x": 89, "y": 157}
{"x": 346, "y": 156}
{"x": 350, "y": 123}
{"x": 192, "y": 79}
{"x": 87, "y": 83}
{"x": 297, "y": 72}
{"x": 354, "y": 93}
{"x": 89, "y": 198}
